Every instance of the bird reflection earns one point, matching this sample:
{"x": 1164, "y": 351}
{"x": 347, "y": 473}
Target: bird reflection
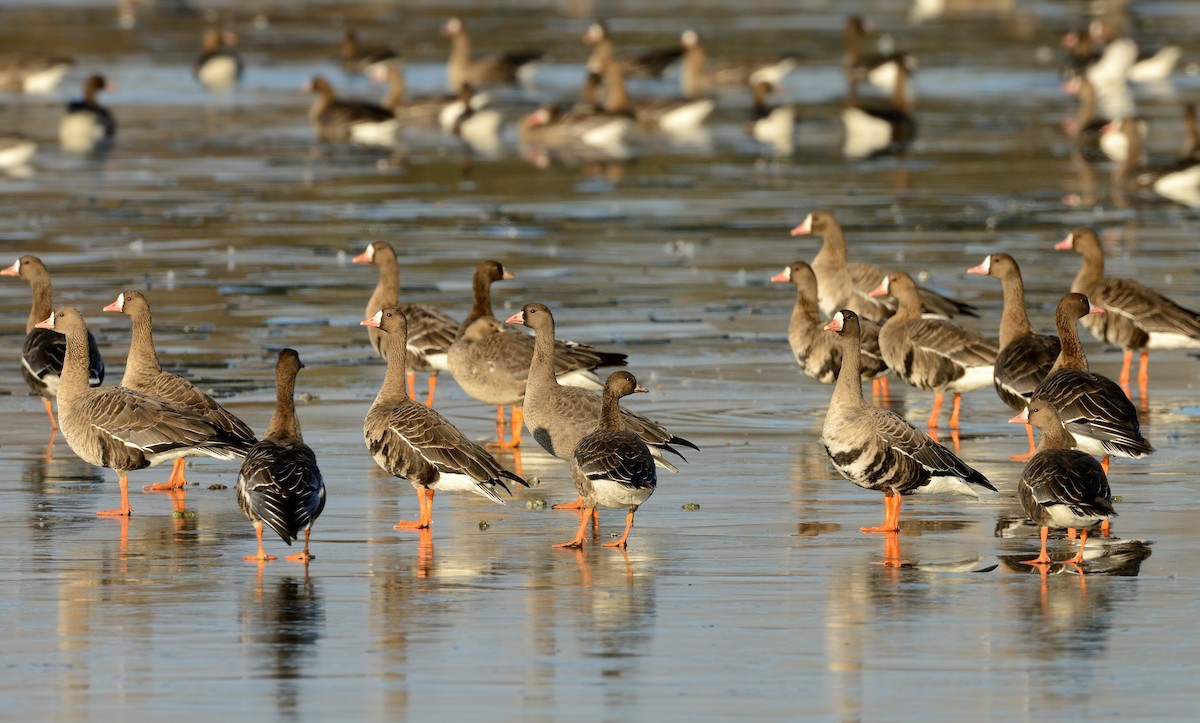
{"x": 617, "y": 609}
{"x": 282, "y": 625}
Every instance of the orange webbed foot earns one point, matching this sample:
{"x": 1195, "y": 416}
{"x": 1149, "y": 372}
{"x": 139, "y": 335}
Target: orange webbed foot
{"x": 577, "y": 504}
{"x": 259, "y": 558}
{"x": 411, "y": 525}
{"x": 616, "y": 543}
{"x": 879, "y": 529}
{"x": 573, "y": 542}
{"x": 1042, "y": 559}
{"x": 301, "y": 557}
{"x": 162, "y": 487}
{"x": 123, "y": 512}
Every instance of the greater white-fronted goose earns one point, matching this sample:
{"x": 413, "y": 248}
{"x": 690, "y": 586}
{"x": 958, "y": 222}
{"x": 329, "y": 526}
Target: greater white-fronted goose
{"x": 335, "y": 119}
{"x": 87, "y": 126}
{"x": 416, "y": 443}
{"x": 490, "y": 360}
{"x": 122, "y": 429}
{"x": 697, "y": 78}
{"x": 932, "y": 353}
{"x": 279, "y": 484}
{"x": 820, "y": 355}
{"x": 611, "y": 466}
{"x": 475, "y": 124}
{"x": 878, "y": 449}
{"x": 43, "y": 352}
{"x": 1177, "y": 180}
{"x": 431, "y": 331}
{"x": 846, "y": 284}
{"x": 1136, "y": 316}
{"x": 645, "y": 64}
{"x": 1061, "y": 486}
{"x": 219, "y": 66}
{"x": 359, "y": 58}
{"x": 559, "y": 416}
{"x": 1025, "y": 357}
{"x": 33, "y": 73}
{"x": 1094, "y": 408}
{"x": 489, "y": 69}
{"x": 439, "y": 110}
{"x": 549, "y": 127}
{"x": 15, "y": 152}
{"x": 670, "y": 115}
{"x": 876, "y": 129}
{"x": 774, "y": 125}
{"x": 143, "y": 374}
{"x": 881, "y": 70}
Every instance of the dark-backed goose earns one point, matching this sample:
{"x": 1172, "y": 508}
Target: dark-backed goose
{"x": 879, "y": 450}
{"x": 122, "y": 429}
{"x": 335, "y": 119}
{"x": 1061, "y": 486}
{"x": 876, "y": 129}
{"x": 219, "y": 66}
{"x": 611, "y": 466}
{"x": 33, "y": 73}
{"x": 87, "y": 126}
{"x": 412, "y": 441}
{"x": 932, "y": 353}
{"x": 279, "y": 484}
{"x": 1025, "y": 357}
{"x": 431, "y": 331}
{"x": 489, "y": 69}
{"x": 143, "y": 374}
{"x": 846, "y": 284}
{"x": 879, "y": 69}
{"x": 42, "y": 354}
{"x": 440, "y": 110}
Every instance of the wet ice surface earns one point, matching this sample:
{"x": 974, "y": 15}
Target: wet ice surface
{"x": 766, "y": 600}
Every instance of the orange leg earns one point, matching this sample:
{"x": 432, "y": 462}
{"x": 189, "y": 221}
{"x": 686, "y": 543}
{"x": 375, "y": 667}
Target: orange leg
{"x": 1125, "y": 366}
{"x": 424, "y": 513}
{"x": 411, "y": 378}
{"x": 1104, "y": 465}
{"x": 577, "y": 504}
{"x": 50, "y": 413}
{"x": 624, "y": 536}
{"x": 1105, "y": 528}
{"x": 125, "y": 509}
{"x": 500, "y": 424}
{"x": 954, "y": 414}
{"x": 885, "y": 391}
{"x": 517, "y": 420}
{"x": 579, "y": 538}
{"x": 432, "y": 387}
{"x": 302, "y": 556}
{"x": 177, "y": 479}
{"x": 891, "y": 550}
{"x": 1082, "y": 541}
{"x": 262, "y": 555}
{"x": 937, "y": 410}
{"x": 1042, "y": 559}
{"x": 1072, "y": 533}
{"x": 1144, "y": 374}
{"x": 891, "y": 514}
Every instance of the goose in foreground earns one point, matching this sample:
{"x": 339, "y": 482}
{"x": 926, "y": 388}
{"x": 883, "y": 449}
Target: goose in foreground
{"x": 932, "y": 353}
{"x": 489, "y": 69}
{"x": 431, "y": 331}
{"x": 122, "y": 429}
{"x": 279, "y": 484}
{"x": 1061, "y": 486}
{"x": 820, "y": 355}
{"x": 1177, "y": 181}
{"x": 359, "y": 58}
{"x": 697, "y": 78}
{"x": 412, "y": 441}
{"x": 1025, "y": 357}
{"x": 490, "y": 360}
{"x": 878, "y": 449}
{"x": 848, "y": 284}
{"x": 335, "y": 119}
{"x": 87, "y": 126}
{"x": 1093, "y": 408}
{"x": 879, "y": 129}
{"x": 43, "y": 352}
{"x": 879, "y": 69}
{"x": 32, "y": 72}
{"x": 1136, "y": 316}
{"x": 144, "y": 374}
{"x": 611, "y": 466}
{"x": 219, "y": 66}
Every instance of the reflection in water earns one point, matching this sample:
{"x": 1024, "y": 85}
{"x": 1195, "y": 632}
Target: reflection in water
{"x": 283, "y": 626}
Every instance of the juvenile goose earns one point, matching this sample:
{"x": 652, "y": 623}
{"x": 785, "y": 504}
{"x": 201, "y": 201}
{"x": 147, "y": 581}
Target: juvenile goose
{"x": 431, "y": 331}
{"x": 279, "y": 484}
{"x": 489, "y": 69}
{"x": 143, "y": 374}
{"x": 335, "y": 119}
{"x": 1094, "y": 409}
{"x": 122, "y": 429}
{"x": 879, "y": 129}
{"x": 1061, "y": 486}
{"x": 612, "y": 466}
{"x": 879, "y": 450}
{"x": 820, "y": 355}
{"x": 932, "y": 353}
{"x": 87, "y": 126}
{"x": 411, "y": 441}
{"x": 1025, "y": 357}
{"x": 43, "y": 352}
{"x": 490, "y": 361}
{"x": 848, "y": 284}
{"x": 219, "y": 66}
{"x": 1136, "y": 316}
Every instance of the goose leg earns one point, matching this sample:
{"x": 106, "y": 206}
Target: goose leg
{"x": 302, "y": 556}
{"x": 578, "y": 539}
{"x": 177, "y": 479}
{"x": 1082, "y": 541}
{"x": 1144, "y": 373}
{"x": 1125, "y": 366}
{"x": 432, "y": 385}
{"x": 1043, "y": 558}
{"x": 411, "y": 379}
{"x": 1032, "y": 446}
{"x": 954, "y": 414}
{"x": 125, "y": 509}
{"x": 50, "y": 413}
{"x": 500, "y": 424}
{"x": 891, "y": 514}
{"x": 421, "y": 522}
{"x": 1105, "y": 529}
{"x": 577, "y": 504}
{"x": 625, "y": 536}
{"x": 891, "y": 550}
{"x": 517, "y": 420}
{"x": 262, "y": 555}
{"x": 937, "y": 410}
{"x": 1104, "y": 465}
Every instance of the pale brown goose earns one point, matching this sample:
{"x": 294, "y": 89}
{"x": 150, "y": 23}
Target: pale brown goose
{"x": 670, "y": 115}
{"x": 87, "y": 126}
{"x": 1025, "y": 357}
{"x": 879, "y": 450}
{"x": 490, "y": 361}
{"x": 1061, "y": 486}
{"x": 412, "y": 441}
{"x": 143, "y": 374}
{"x": 879, "y": 69}
{"x": 611, "y": 466}
{"x": 1177, "y": 180}
{"x": 847, "y": 284}
{"x": 42, "y": 354}
{"x": 335, "y": 119}
{"x": 219, "y": 66}
{"x": 431, "y": 331}
{"x": 646, "y": 64}
{"x": 874, "y": 128}
{"x": 1094, "y": 408}
{"x": 489, "y": 69}
{"x": 932, "y": 353}
{"x": 697, "y": 77}
{"x": 279, "y": 484}
{"x": 1136, "y": 316}
{"x": 359, "y": 58}
{"x": 122, "y": 429}
{"x": 440, "y": 110}
{"x": 819, "y": 355}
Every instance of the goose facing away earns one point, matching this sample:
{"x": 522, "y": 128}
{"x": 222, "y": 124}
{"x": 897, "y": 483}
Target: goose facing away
{"x": 416, "y": 443}
{"x": 335, "y": 119}
{"x": 489, "y": 69}
{"x": 431, "y": 331}
{"x": 1061, "y": 486}
{"x": 44, "y": 350}
{"x": 122, "y": 429}
{"x": 219, "y": 66}
{"x": 611, "y": 466}
{"x": 144, "y": 374}
{"x": 88, "y": 126}
{"x": 279, "y": 484}
{"x": 879, "y": 450}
